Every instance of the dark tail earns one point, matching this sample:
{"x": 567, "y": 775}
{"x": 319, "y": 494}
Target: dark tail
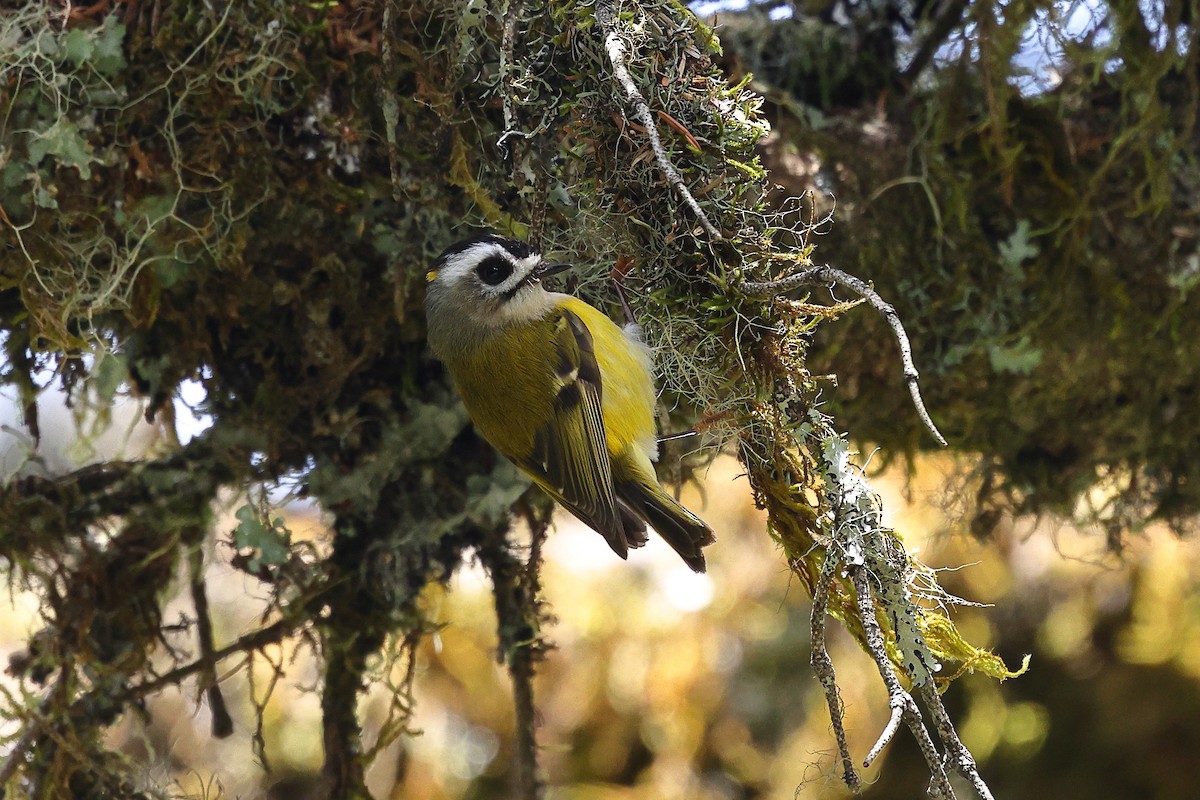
{"x": 683, "y": 530}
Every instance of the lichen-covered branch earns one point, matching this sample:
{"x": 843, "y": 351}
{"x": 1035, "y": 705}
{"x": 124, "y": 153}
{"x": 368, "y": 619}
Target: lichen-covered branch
{"x": 823, "y": 667}
{"x": 957, "y": 754}
{"x": 900, "y": 701}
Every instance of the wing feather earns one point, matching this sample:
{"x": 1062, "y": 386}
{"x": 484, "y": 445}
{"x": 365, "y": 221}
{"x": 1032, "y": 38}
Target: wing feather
{"x": 571, "y": 448}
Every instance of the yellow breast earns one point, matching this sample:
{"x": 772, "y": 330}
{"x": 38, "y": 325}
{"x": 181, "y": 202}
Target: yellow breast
{"x": 507, "y": 384}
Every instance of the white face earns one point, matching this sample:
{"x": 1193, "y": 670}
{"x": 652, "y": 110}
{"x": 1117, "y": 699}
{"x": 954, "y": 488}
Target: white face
{"x": 492, "y": 284}
{"x": 489, "y": 267}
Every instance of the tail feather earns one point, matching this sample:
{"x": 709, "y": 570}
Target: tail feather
{"x": 635, "y": 526}
{"x": 683, "y": 530}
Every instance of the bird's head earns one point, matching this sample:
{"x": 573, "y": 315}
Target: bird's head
{"x": 488, "y": 280}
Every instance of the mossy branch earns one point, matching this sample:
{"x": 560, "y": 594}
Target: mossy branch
{"x": 519, "y": 617}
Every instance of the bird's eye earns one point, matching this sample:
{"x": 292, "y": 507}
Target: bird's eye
{"x": 494, "y": 270}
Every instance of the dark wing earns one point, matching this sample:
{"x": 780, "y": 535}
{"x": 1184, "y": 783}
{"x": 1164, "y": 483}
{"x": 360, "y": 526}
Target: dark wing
{"x": 571, "y": 450}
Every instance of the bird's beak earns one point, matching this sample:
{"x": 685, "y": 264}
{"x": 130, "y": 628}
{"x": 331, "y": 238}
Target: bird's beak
{"x": 542, "y": 270}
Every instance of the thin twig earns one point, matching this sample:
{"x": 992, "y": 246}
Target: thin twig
{"x": 222, "y": 723}
{"x": 608, "y": 17}
{"x": 251, "y": 641}
{"x": 822, "y": 665}
{"x": 960, "y": 757}
{"x": 897, "y": 696}
{"x": 826, "y": 274}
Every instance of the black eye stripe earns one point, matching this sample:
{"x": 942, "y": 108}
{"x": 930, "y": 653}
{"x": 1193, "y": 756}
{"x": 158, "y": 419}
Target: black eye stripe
{"x": 494, "y": 270}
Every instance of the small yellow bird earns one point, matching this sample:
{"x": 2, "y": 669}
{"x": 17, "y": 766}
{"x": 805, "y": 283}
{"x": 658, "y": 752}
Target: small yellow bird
{"x": 559, "y": 389}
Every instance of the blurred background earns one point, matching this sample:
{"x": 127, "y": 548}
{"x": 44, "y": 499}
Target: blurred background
{"x": 1020, "y": 179}
{"x": 665, "y": 684}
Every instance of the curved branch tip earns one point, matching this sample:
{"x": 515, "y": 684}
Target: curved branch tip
{"x": 826, "y": 274}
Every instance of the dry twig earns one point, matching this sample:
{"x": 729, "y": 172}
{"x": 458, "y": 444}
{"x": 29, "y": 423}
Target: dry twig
{"x": 826, "y": 274}
{"x": 608, "y": 17}
{"x": 822, "y": 665}
{"x": 222, "y": 723}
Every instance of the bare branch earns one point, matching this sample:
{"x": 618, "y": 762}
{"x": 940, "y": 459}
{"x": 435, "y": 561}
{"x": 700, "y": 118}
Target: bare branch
{"x": 251, "y": 641}
{"x": 822, "y": 665}
{"x": 960, "y": 757}
{"x": 222, "y": 723}
{"x": 943, "y": 25}
{"x": 826, "y": 274}
{"x": 608, "y": 17}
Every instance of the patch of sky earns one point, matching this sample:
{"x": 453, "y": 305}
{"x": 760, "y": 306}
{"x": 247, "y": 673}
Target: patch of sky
{"x": 1043, "y": 52}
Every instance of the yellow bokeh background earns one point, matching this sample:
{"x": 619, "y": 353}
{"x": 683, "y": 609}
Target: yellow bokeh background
{"x": 665, "y": 685}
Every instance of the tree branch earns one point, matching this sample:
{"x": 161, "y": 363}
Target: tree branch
{"x": 944, "y": 24}
{"x": 222, "y": 723}
{"x": 902, "y": 704}
{"x": 388, "y": 103}
{"x": 826, "y": 274}
{"x": 255, "y": 640}
{"x": 822, "y": 665}
{"x": 73, "y": 501}
{"x": 960, "y": 757}
{"x": 608, "y": 17}
{"x": 514, "y": 589}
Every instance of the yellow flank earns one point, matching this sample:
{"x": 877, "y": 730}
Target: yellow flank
{"x": 514, "y": 366}
{"x": 627, "y": 385}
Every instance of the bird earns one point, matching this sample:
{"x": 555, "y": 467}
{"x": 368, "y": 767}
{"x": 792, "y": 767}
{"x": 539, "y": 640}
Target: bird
{"x": 558, "y": 388}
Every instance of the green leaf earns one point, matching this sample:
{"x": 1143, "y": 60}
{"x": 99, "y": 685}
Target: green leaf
{"x": 150, "y": 210}
{"x": 270, "y": 542}
{"x": 109, "y": 55}
{"x": 44, "y": 199}
{"x": 170, "y": 271}
{"x": 78, "y": 45}
{"x": 107, "y": 376}
{"x": 100, "y": 48}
